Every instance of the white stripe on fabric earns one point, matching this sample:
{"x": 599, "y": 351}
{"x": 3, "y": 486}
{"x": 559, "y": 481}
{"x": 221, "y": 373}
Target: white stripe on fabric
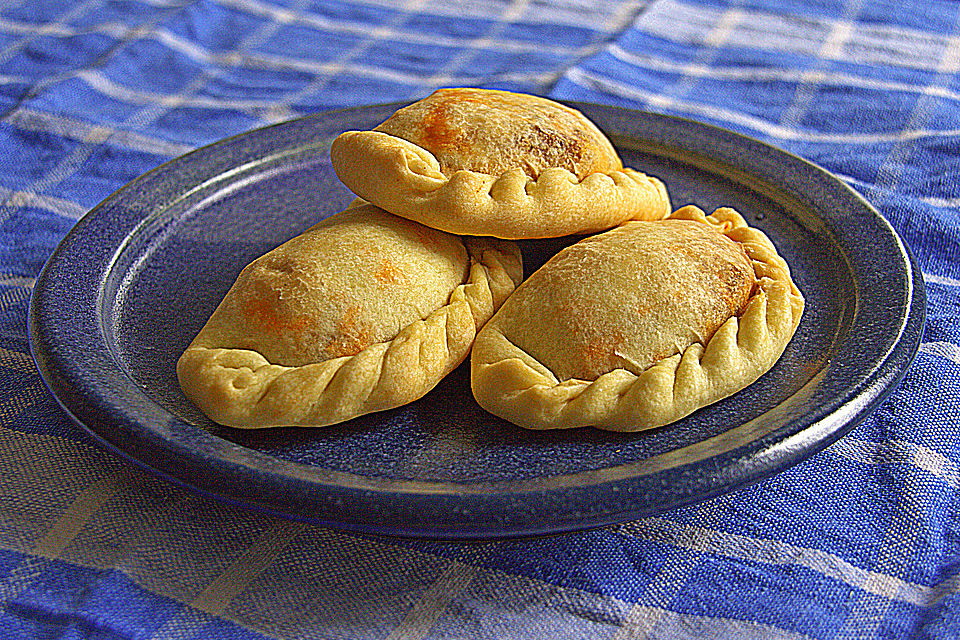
{"x": 803, "y": 35}
{"x": 578, "y": 13}
{"x": 944, "y": 203}
{"x": 515, "y": 607}
{"x": 58, "y": 537}
{"x": 767, "y": 74}
{"x": 152, "y": 111}
{"x": 17, "y": 281}
{"x": 864, "y": 187}
{"x": 270, "y": 109}
{"x": 67, "y": 165}
{"x": 899, "y": 452}
{"x": 109, "y": 88}
{"x": 774, "y": 552}
{"x": 773, "y": 130}
{"x": 213, "y": 600}
{"x": 262, "y": 553}
{"x": 149, "y": 554}
{"x": 723, "y": 28}
{"x": 840, "y": 34}
{"x": 20, "y": 199}
{"x": 276, "y": 62}
{"x": 682, "y": 626}
{"x": 431, "y": 605}
{"x": 950, "y": 62}
{"x": 34, "y": 120}
{"x": 75, "y": 11}
{"x": 808, "y": 88}
{"x": 948, "y": 282}
{"x": 397, "y": 33}
{"x": 116, "y": 30}
{"x": 37, "y": 28}
{"x": 664, "y": 587}
{"x": 946, "y": 350}
{"x": 10, "y": 357}
{"x": 68, "y": 527}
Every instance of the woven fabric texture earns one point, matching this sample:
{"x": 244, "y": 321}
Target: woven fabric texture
{"x": 861, "y": 540}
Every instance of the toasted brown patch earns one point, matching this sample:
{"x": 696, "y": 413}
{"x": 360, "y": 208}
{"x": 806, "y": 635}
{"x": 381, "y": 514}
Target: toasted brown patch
{"x": 388, "y": 273}
{"x": 494, "y": 131}
{"x": 353, "y": 335}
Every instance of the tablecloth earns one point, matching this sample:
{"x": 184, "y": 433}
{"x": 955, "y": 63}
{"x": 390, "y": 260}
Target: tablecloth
{"x": 861, "y": 540}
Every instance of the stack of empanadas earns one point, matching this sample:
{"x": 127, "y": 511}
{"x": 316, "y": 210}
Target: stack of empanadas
{"x": 651, "y": 316}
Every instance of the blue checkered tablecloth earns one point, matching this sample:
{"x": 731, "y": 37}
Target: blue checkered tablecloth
{"x": 860, "y": 541}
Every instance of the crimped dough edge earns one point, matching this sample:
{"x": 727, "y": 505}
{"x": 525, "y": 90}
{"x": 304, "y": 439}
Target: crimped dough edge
{"x": 240, "y": 388}
{"x": 510, "y": 383}
{"x": 405, "y": 179}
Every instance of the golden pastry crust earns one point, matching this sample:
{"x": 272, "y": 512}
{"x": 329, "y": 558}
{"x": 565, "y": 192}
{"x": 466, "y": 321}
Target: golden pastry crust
{"x": 647, "y": 323}
{"x": 486, "y": 162}
{"x": 363, "y": 312}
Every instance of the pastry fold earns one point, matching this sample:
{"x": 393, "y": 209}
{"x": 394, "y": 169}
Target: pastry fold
{"x": 495, "y": 163}
{"x": 363, "y": 312}
{"x": 644, "y": 345}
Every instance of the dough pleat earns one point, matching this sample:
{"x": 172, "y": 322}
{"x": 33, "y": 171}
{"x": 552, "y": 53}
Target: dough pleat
{"x": 239, "y": 387}
{"x": 509, "y": 382}
{"x": 406, "y": 179}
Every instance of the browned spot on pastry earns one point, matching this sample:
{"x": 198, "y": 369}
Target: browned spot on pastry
{"x": 540, "y": 147}
{"x": 437, "y": 132}
{"x": 389, "y": 273}
{"x": 352, "y": 336}
{"x": 732, "y": 274}
{"x": 601, "y": 353}
{"x": 492, "y": 132}
{"x": 265, "y": 313}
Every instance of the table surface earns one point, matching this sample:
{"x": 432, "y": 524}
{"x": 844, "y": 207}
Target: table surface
{"x": 861, "y": 540}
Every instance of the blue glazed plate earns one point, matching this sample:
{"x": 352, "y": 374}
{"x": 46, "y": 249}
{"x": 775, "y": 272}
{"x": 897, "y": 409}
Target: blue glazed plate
{"x": 134, "y": 281}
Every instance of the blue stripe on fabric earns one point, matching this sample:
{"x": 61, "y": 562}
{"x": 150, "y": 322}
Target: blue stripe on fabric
{"x": 360, "y": 13}
{"x": 463, "y": 29}
{"x": 38, "y": 13}
{"x": 132, "y": 13}
{"x": 38, "y": 150}
{"x": 345, "y": 90}
{"x": 943, "y": 623}
{"x": 45, "y": 56}
{"x": 409, "y": 58}
{"x": 308, "y": 43}
{"x": 150, "y": 66}
{"x": 250, "y": 85}
{"x": 565, "y": 35}
{"x": 492, "y": 63}
{"x": 70, "y": 601}
{"x": 215, "y": 27}
{"x": 69, "y": 96}
{"x": 701, "y": 584}
{"x": 202, "y": 125}
{"x": 28, "y": 236}
{"x": 12, "y": 93}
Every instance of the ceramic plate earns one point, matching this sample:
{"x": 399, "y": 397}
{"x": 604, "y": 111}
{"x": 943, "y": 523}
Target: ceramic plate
{"x": 136, "y": 278}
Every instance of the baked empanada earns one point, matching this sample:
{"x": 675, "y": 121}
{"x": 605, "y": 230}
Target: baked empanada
{"x": 639, "y": 326}
{"x": 496, "y": 163}
{"x": 363, "y": 312}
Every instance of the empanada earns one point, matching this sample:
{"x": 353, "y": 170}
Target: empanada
{"x": 496, "y": 163}
{"x": 639, "y": 326}
{"x": 363, "y": 312}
